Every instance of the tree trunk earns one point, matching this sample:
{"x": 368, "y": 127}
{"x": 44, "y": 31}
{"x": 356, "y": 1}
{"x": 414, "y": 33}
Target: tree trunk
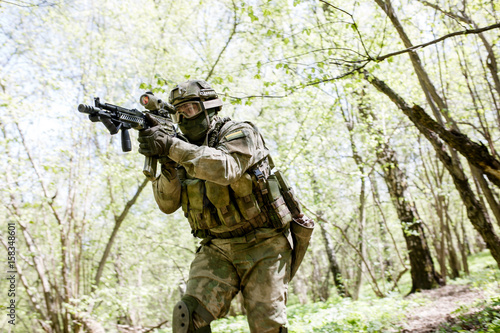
{"x": 463, "y": 246}
{"x": 452, "y": 254}
{"x": 441, "y": 245}
{"x": 384, "y": 231}
{"x": 349, "y": 122}
{"x": 475, "y": 211}
{"x": 423, "y": 274}
{"x": 488, "y": 193}
{"x": 334, "y": 265}
{"x": 361, "y": 240}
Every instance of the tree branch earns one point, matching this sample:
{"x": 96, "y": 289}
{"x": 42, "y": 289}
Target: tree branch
{"x": 453, "y": 34}
{"x": 157, "y": 326}
{"x": 118, "y": 222}
{"x": 354, "y": 24}
{"x": 231, "y": 35}
{"x": 476, "y": 153}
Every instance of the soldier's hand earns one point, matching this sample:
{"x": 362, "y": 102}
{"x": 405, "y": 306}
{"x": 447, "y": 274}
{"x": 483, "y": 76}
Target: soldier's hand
{"x": 155, "y": 140}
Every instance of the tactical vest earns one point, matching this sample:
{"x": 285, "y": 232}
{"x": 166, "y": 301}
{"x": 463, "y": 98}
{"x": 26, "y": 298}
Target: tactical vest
{"x": 253, "y": 201}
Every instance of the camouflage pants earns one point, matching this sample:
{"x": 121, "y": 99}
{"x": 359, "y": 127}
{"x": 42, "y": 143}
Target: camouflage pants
{"x": 258, "y": 264}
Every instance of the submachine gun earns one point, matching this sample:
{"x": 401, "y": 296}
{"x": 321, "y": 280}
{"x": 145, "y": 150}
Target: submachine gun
{"x": 117, "y": 118}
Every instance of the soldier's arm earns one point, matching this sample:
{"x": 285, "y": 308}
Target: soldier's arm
{"x": 167, "y": 190}
{"x": 238, "y": 149}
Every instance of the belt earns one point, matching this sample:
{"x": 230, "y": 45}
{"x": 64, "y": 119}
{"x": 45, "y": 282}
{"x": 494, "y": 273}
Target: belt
{"x": 257, "y": 222}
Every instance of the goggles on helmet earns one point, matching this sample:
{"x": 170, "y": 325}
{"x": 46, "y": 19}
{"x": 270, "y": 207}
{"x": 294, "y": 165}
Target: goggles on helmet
{"x": 187, "y": 110}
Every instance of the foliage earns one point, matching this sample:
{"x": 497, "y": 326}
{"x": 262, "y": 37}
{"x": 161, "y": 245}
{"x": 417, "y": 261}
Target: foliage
{"x": 467, "y": 320}
{"x": 292, "y": 68}
{"x": 336, "y": 315}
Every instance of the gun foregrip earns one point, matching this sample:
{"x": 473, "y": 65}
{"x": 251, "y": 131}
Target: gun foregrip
{"x": 126, "y": 144}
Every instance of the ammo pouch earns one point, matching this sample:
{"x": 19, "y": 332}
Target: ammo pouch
{"x": 245, "y": 199}
{"x": 194, "y": 205}
{"x": 270, "y": 194}
{"x": 219, "y": 197}
{"x": 208, "y": 205}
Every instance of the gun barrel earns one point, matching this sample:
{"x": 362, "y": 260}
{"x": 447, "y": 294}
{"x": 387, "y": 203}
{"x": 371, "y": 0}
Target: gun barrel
{"x": 84, "y": 108}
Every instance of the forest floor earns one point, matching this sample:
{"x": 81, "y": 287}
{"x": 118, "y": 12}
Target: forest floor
{"x": 441, "y": 307}
{"x": 470, "y": 303}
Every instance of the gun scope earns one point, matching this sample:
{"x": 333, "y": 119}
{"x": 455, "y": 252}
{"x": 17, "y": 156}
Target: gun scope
{"x": 153, "y": 103}
{"x": 150, "y": 101}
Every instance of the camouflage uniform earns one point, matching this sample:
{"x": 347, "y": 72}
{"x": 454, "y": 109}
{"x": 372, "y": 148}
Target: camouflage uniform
{"x": 251, "y": 253}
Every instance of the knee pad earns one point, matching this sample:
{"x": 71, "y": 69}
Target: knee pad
{"x": 183, "y": 316}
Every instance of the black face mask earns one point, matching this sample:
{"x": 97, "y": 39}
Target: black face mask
{"x": 195, "y": 129}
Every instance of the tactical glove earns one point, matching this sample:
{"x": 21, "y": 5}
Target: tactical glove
{"x": 155, "y": 140}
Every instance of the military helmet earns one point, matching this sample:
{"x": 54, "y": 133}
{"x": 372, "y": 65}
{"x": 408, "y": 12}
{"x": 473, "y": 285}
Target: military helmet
{"x": 195, "y": 90}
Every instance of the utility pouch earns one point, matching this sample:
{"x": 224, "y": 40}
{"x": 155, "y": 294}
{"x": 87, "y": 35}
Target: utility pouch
{"x": 279, "y": 214}
{"x": 219, "y": 197}
{"x": 301, "y": 228}
{"x": 245, "y": 199}
{"x": 199, "y": 215}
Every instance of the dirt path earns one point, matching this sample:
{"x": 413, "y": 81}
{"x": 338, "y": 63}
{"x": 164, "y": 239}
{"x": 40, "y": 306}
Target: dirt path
{"x": 442, "y": 302}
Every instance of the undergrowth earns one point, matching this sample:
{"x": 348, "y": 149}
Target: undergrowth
{"x": 372, "y": 314}
{"x": 481, "y": 317}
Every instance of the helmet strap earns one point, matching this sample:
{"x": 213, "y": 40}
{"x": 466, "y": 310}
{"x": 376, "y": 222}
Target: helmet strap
{"x": 205, "y": 142}
{"x": 209, "y": 123}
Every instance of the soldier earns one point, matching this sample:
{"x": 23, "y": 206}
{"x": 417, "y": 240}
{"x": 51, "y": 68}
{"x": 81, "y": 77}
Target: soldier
{"x": 222, "y": 179}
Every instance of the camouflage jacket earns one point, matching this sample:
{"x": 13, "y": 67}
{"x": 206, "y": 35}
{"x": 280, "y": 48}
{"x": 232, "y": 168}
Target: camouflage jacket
{"x": 233, "y": 149}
